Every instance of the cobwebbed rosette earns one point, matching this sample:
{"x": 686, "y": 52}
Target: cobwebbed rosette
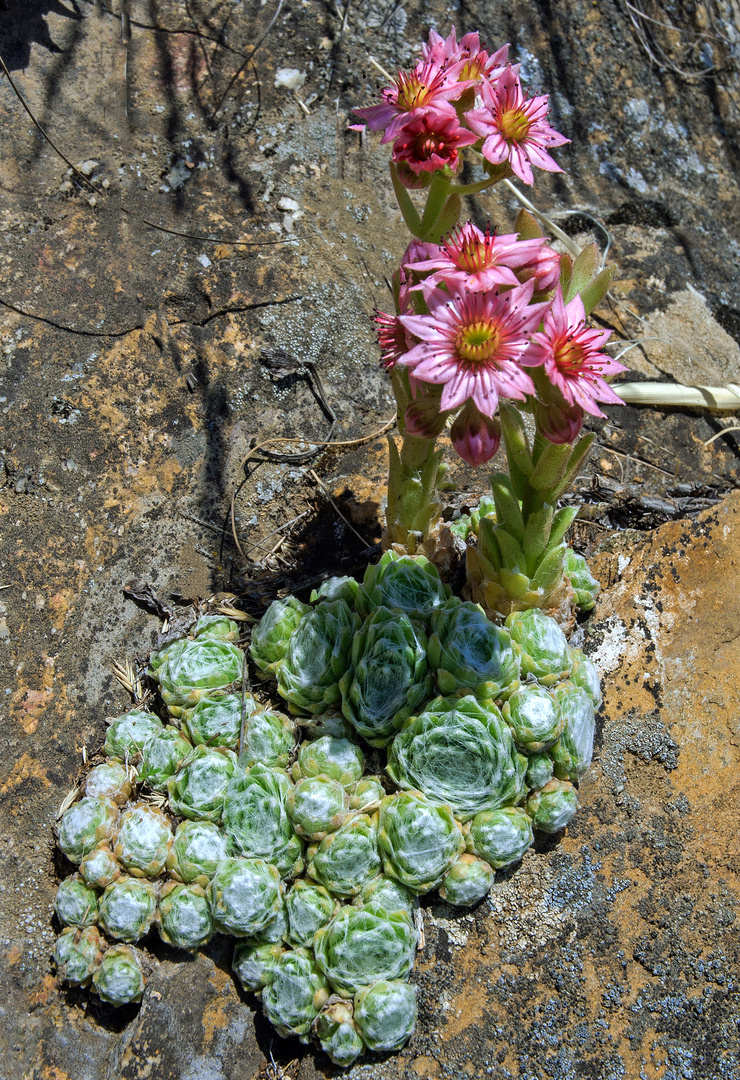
{"x": 584, "y": 675}
{"x": 127, "y": 908}
{"x": 317, "y": 806}
{"x": 468, "y": 881}
{"x": 309, "y": 907}
{"x": 419, "y": 840}
{"x": 256, "y": 817}
{"x": 336, "y": 588}
{"x": 100, "y": 868}
{"x": 269, "y": 738}
{"x": 198, "y": 788}
{"x": 535, "y": 718}
{"x": 317, "y": 657}
{"x": 552, "y": 808}
{"x": 245, "y": 895}
{"x": 459, "y": 752}
{"x": 471, "y": 654}
{"x": 253, "y": 964}
{"x": 200, "y": 667}
{"x": 573, "y": 751}
{"x": 500, "y": 837}
{"x": 582, "y": 582}
{"x": 109, "y": 781}
{"x": 86, "y": 824}
{"x": 347, "y": 859}
{"x": 158, "y": 659}
{"x": 406, "y": 583}
{"x": 162, "y": 757}
{"x": 77, "y": 954}
{"x": 387, "y": 893}
{"x": 144, "y": 840}
{"x": 335, "y": 1031}
{"x": 337, "y": 758}
{"x": 367, "y": 794}
{"x": 128, "y": 735}
{"x": 385, "y": 1014}
{"x": 361, "y": 946}
{"x": 184, "y": 917}
{"x": 545, "y": 652}
{"x": 216, "y": 626}
{"x": 539, "y": 770}
{"x": 119, "y": 980}
{"x": 217, "y": 719}
{"x": 276, "y": 931}
{"x": 272, "y": 633}
{"x": 198, "y": 848}
{"x": 76, "y": 903}
{"x": 389, "y": 676}
{"x": 295, "y": 994}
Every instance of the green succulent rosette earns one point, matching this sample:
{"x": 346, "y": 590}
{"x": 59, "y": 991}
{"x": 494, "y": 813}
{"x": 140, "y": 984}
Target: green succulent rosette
{"x": 253, "y": 964}
{"x": 143, "y": 841}
{"x": 468, "y": 881}
{"x": 346, "y": 859}
{"x": 198, "y": 848}
{"x": 272, "y": 633}
{"x": 335, "y": 1031}
{"x": 387, "y": 894}
{"x": 76, "y": 903}
{"x": 184, "y": 918}
{"x": 269, "y": 738}
{"x": 127, "y": 908}
{"x": 362, "y": 946}
{"x": 366, "y": 795}
{"x": 406, "y": 583}
{"x": 331, "y": 723}
{"x": 309, "y": 907}
{"x": 545, "y": 652}
{"x": 552, "y": 808}
{"x": 162, "y": 757}
{"x": 198, "y": 789}
{"x": 276, "y": 931}
{"x": 216, "y": 720}
{"x": 419, "y": 840}
{"x": 470, "y": 654}
{"x": 317, "y": 806}
{"x": 295, "y": 995}
{"x": 119, "y": 980}
{"x": 572, "y": 753}
{"x": 338, "y": 758}
{"x": 128, "y": 735}
{"x": 584, "y": 675}
{"x": 100, "y": 868}
{"x": 77, "y": 954}
{"x": 389, "y": 676}
{"x": 500, "y": 837}
{"x": 582, "y": 582}
{"x": 459, "y": 752}
{"x": 336, "y": 588}
{"x": 535, "y": 718}
{"x": 216, "y": 626}
{"x": 159, "y": 658}
{"x": 109, "y": 781}
{"x": 317, "y": 657}
{"x": 199, "y": 668}
{"x": 87, "y": 823}
{"x": 256, "y": 817}
{"x": 245, "y": 895}
{"x": 539, "y": 770}
{"x": 385, "y": 1014}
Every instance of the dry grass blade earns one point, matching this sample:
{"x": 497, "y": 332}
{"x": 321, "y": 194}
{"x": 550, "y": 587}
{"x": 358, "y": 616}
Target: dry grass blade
{"x": 234, "y": 613}
{"x": 67, "y": 802}
{"x": 128, "y": 678}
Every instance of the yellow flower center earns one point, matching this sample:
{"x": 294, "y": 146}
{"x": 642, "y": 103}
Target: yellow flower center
{"x": 477, "y": 342}
{"x": 569, "y": 356}
{"x": 514, "y": 125}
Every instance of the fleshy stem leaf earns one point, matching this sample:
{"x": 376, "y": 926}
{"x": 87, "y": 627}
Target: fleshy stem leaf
{"x": 406, "y": 206}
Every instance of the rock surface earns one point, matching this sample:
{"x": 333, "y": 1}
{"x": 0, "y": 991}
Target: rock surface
{"x": 132, "y": 388}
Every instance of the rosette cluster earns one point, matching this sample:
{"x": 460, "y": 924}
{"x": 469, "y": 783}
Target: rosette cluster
{"x": 215, "y": 817}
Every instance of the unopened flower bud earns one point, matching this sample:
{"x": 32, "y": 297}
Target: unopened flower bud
{"x": 544, "y": 267}
{"x": 423, "y": 419}
{"x": 559, "y": 423}
{"x": 475, "y": 437}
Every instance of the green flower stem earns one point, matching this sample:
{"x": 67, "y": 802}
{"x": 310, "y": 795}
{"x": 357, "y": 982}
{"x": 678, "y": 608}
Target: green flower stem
{"x": 408, "y": 210}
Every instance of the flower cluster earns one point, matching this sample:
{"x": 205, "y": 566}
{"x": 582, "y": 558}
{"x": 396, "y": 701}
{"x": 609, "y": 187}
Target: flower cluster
{"x": 460, "y": 95}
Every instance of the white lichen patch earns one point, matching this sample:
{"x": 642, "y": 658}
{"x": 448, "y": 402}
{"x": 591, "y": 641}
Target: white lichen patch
{"x": 608, "y": 656}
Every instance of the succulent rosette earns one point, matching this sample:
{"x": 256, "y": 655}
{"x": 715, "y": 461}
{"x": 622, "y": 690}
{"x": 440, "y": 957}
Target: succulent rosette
{"x": 410, "y": 584}
{"x": 584, "y": 674}
{"x": 128, "y": 735}
{"x": 336, "y": 588}
{"x": 545, "y": 652}
{"x": 245, "y": 895}
{"x": 77, "y": 954}
{"x": 346, "y": 859}
{"x": 317, "y": 656}
{"x": 309, "y": 907}
{"x": 295, "y": 994}
{"x": 198, "y": 788}
{"x": 317, "y": 806}
{"x": 269, "y": 738}
{"x": 87, "y": 823}
{"x": 385, "y": 1014}
{"x": 197, "y": 849}
{"x": 387, "y": 893}
{"x": 184, "y": 917}
{"x": 253, "y": 964}
{"x": 127, "y": 908}
{"x": 335, "y": 1031}
{"x": 500, "y": 837}
{"x": 539, "y": 770}
{"x": 216, "y": 720}
{"x": 468, "y": 881}
{"x": 366, "y": 795}
{"x": 110, "y": 780}
{"x": 76, "y": 903}
{"x": 582, "y": 582}
{"x": 256, "y": 817}
{"x": 470, "y": 653}
{"x": 551, "y": 808}
{"x": 276, "y": 931}
{"x": 272, "y": 633}
{"x": 459, "y": 752}
{"x": 361, "y": 946}
{"x": 143, "y": 841}
{"x": 535, "y": 718}
{"x": 100, "y": 868}
{"x": 573, "y": 751}
{"x": 419, "y": 840}
{"x": 159, "y": 658}
{"x": 161, "y": 757}
{"x": 338, "y": 758}
{"x": 216, "y": 626}
{"x": 197, "y": 669}
{"x": 119, "y": 980}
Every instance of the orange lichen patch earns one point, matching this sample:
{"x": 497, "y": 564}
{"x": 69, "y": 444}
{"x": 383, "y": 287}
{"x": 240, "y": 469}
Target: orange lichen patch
{"x": 28, "y": 707}
{"x": 52, "y": 1072}
{"x": 425, "y": 1066}
{"x": 41, "y": 995}
{"x": 59, "y": 604}
{"x": 26, "y": 768}
{"x": 215, "y": 1018}
{"x": 14, "y": 955}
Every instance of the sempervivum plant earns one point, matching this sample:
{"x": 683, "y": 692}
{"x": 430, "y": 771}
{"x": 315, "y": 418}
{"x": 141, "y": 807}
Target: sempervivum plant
{"x": 400, "y": 583}
{"x": 470, "y": 653}
{"x": 317, "y": 657}
{"x": 202, "y": 666}
{"x": 361, "y": 946}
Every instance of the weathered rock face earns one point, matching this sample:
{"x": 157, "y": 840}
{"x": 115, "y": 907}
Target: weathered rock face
{"x": 127, "y": 415}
